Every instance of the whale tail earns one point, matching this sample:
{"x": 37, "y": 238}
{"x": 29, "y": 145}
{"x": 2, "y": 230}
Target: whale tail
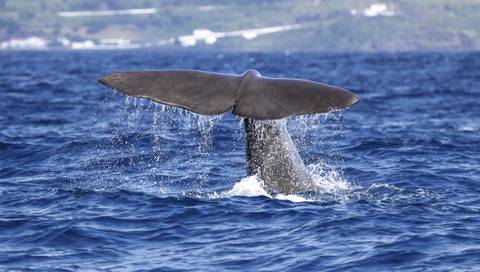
{"x": 248, "y": 95}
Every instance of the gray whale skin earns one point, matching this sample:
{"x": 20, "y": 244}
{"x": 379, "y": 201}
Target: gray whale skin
{"x": 271, "y": 154}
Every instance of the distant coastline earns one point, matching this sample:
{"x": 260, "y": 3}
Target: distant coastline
{"x": 312, "y": 25}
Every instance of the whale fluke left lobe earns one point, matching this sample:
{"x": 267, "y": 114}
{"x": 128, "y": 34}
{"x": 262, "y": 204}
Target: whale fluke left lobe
{"x": 197, "y": 91}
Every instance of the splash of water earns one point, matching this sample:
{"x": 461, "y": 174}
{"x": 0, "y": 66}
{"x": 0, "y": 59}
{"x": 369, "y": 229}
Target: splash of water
{"x": 170, "y": 124}
{"x": 327, "y": 179}
{"x": 252, "y": 186}
{"x": 137, "y": 136}
{"x": 302, "y": 127}
{"x": 206, "y": 124}
{"x": 328, "y": 182}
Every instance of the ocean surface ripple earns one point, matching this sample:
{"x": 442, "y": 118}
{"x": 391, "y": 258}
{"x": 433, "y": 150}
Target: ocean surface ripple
{"x": 92, "y": 180}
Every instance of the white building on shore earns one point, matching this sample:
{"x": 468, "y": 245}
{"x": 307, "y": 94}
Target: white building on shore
{"x": 28, "y": 43}
{"x": 376, "y": 9}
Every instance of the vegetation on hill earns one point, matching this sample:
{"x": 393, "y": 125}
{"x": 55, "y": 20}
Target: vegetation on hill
{"x": 336, "y": 25}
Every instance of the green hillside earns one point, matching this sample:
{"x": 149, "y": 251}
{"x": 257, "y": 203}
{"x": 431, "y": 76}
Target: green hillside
{"x": 338, "y": 25}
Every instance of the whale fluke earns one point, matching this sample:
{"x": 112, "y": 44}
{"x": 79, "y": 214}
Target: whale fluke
{"x": 248, "y": 95}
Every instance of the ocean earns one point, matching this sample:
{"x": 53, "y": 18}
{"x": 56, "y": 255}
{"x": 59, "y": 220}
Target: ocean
{"x": 91, "y": 180}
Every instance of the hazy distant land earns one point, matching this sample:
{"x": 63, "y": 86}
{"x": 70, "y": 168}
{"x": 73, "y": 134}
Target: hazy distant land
{"x": 301, "y": 25}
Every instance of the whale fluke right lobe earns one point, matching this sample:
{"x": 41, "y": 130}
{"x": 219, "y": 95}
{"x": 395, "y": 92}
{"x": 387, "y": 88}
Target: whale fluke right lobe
{"x": 270, "y": 98}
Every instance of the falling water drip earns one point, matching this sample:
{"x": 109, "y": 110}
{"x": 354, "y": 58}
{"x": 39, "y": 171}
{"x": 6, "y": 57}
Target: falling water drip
{"x": 206, "y": 124}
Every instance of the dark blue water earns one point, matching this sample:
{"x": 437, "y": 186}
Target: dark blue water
{"x": 91, "y": 180}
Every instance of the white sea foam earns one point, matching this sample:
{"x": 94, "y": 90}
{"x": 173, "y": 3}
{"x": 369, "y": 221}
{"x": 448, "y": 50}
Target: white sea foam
{"x": 250, "y": 186}
{"x": 469, "y": 128}
{"x": 293, "y": 198}
{"x": 328, "y": 180}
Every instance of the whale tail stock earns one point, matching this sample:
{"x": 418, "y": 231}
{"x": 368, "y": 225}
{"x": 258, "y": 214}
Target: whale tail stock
{"x": 248, "y": 95}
